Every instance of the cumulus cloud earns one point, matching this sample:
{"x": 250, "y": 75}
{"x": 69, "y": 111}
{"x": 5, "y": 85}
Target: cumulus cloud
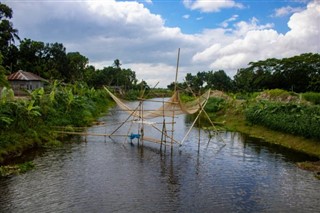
{"x": 284, "y": 11}
{"x": 251, "y": 41}
{"x": 107, "y": 30}
{"x": 210, "y": 6}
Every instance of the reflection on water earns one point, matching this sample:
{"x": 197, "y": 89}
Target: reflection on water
{"x": 104, "y": 175}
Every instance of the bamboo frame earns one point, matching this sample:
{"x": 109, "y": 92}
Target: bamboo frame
{"x": 140, "y": 120}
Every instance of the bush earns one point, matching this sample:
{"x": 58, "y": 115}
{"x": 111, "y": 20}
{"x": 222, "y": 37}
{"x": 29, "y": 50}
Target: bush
{"x": 312, "y": 97}
{"x": 291, "y": 118}
{"x": 215, "y": 105}
{"x": 278, "y": 95}
{"x": 27, "y": 123}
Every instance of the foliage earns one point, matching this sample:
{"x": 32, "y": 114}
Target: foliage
{"x": 217, "y": 80}
{"x": 3, "y": 79}
{"x": 116, "y": 77}
{"x": 8, "y": 34}
{"x": 28, "y": 122}
{"x": 299, "y": 74}
{"x": 9, "y": 170}
{"x": 297, "y": 119}
{"x": 312, "y": 97}
{"x": 279, "y": 95}
{"x": 215, "y": 105}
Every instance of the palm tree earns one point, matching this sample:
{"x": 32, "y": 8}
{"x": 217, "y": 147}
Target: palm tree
{"x": 116, "y": 63}
{"x": 7, "y": 33}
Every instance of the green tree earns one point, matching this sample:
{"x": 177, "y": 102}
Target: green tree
{"x": 196, "y": 82}
{"x": 32, "y": 56}
{"x": 244, "y": 80}
{"x": 56, "y": 62}
{"x": 3, "y": 79}
{"x": 117, "y": 64}
{"x": 77, "y": 64}
{"x": 219, "y": 80}
{"x": 298, "y": 73}
{"x": 8, "y": 35}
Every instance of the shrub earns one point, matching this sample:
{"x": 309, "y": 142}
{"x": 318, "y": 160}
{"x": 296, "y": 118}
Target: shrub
{"x": 215, "y": 105}
{"x": 302, "y": 120}
{"x": 312, "y": 97}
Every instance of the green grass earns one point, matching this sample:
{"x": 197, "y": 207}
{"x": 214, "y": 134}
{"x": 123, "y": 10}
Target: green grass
{"x": 234, "y": 119}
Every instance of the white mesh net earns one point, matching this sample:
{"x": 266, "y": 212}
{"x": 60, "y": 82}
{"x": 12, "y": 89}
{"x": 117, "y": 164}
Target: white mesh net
{"x": 173, "y": 106}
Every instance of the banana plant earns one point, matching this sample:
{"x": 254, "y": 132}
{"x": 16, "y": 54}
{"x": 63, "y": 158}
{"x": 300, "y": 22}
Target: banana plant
{"x": 32, "y": 109}
{"x": 52, "y": 94}
{"x": 70, "y": 98}
{"x": 6, "y": 95}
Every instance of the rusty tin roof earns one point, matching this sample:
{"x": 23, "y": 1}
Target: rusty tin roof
{"x": 24, "y": 76}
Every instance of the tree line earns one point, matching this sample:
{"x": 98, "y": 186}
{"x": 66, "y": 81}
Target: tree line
{"x": 298, "y": 74}
{"x": 51, "y": 61}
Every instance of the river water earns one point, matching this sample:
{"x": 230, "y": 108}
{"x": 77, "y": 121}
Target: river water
{"x": 229, "y": 173}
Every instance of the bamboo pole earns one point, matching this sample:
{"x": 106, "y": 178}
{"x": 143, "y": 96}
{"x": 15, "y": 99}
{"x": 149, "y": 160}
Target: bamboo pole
{"x": 125, "y": 120}
{"x": 206, "y": 114}
{"x": 175, "y": 91}
{"x": 195, "y": 120}
{"x": 142, "y": 125}
{"x": 165, "y": 134}
{"x": 88, "y": 133}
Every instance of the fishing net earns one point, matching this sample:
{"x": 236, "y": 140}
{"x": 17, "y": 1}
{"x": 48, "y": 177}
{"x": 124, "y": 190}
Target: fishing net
{"x": 169, "y": 108}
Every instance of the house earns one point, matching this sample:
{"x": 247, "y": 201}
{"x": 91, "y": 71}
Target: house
{"x": 21, "y": 81}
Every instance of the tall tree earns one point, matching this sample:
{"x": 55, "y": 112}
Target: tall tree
{"x": 77, "y": 64}
{"x": 117, "y": 64}
{"x": 3, "y": 78}
{"x": 219, "y": 80}
{"x": 57, "y": 61}
{"x": 8, "y": 35}
{"x": 32, "y": 56}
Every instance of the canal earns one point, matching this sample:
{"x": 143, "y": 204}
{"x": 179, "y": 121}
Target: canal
{"x": 228, "y": 173}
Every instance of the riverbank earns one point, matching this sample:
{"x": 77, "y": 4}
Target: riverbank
{"x": 233, "y": 119}
{"x": 31, "y": 122}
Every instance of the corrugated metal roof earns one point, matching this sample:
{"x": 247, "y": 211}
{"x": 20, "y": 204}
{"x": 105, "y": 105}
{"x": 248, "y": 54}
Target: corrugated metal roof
{"x": 24, "y": 76}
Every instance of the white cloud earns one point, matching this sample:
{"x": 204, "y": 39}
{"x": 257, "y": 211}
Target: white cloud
{"x": 225, "y": 23}
{"x": 252, "y": 42}
{"x": 186, "y": 16}
{"x": 148, "y": 1}
{"x": 284, "y": 11}
{"x": 107, "y": 30}
{"x": 210, "y": 6}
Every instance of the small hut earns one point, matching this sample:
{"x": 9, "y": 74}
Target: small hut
{"x": 21, "y": 81}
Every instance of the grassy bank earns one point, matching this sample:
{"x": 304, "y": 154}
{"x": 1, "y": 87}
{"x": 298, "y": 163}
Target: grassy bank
{"x": 232, "y": 113}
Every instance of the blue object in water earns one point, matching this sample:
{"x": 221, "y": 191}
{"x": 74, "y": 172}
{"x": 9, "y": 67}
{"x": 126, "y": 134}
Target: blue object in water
{"x": 133, "y": 136}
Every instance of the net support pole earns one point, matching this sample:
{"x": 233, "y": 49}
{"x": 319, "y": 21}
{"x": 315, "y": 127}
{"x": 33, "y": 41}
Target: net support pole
{"x": 175, "y": 90}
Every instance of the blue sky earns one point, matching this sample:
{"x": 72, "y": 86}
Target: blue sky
{"x": 194, "y": 21}
{"x": 146, "y": 34}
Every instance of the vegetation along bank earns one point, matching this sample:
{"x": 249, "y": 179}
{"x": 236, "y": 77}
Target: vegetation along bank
{"x": 276, "y": 116}
{"x": 28, "y": 122}
{"x": 73, "y": 97}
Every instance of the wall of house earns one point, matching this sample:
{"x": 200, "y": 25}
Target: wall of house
{"x": 20, "y": 87}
